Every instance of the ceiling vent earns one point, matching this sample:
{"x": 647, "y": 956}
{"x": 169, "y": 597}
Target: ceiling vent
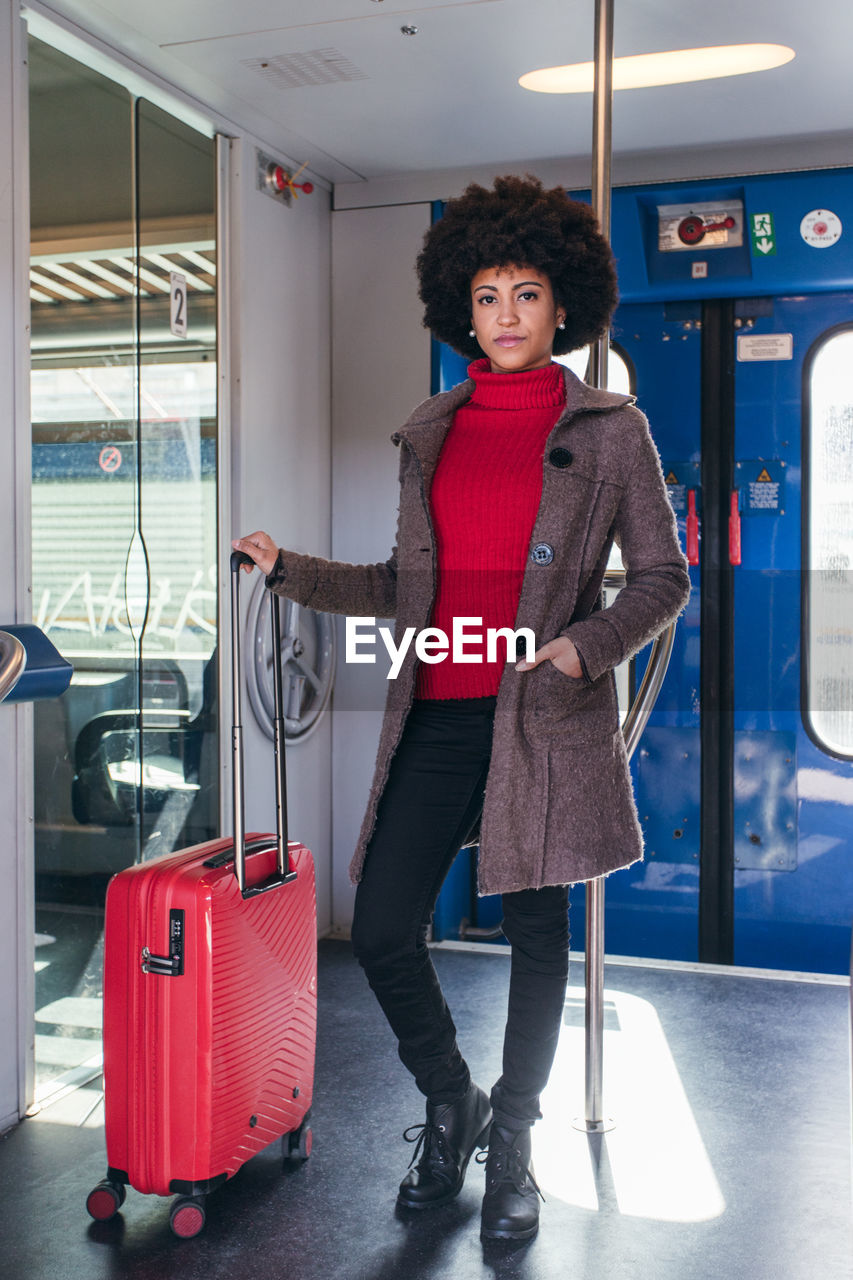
{"x": 315, "y": 66}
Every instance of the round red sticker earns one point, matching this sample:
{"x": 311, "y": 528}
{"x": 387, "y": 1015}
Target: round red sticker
{"x": 821, "y": 228}
{"x": 109, "y": 459}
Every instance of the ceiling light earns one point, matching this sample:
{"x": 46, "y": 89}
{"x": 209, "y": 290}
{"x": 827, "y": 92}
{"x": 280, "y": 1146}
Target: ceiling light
{"x": 678, "y": 66}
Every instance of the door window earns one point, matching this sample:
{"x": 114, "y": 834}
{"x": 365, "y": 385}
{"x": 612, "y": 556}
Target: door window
{"x": 828, "y": 615}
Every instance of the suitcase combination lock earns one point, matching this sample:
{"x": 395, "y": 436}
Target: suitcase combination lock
{"x": 172, "y": 965}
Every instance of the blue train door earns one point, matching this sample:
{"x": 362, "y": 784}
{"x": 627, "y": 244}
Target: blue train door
{"x": 743, "y": 778}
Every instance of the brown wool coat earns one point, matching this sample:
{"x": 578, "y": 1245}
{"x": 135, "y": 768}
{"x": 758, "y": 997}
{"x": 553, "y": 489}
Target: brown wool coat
{"x": 558, "y": 805}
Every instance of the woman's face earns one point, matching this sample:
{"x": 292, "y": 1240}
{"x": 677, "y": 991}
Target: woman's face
{"x": 514, "y": 316}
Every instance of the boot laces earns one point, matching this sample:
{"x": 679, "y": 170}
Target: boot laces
{"x": 430, "y": 1144}
{"x": 504, "y": 1163}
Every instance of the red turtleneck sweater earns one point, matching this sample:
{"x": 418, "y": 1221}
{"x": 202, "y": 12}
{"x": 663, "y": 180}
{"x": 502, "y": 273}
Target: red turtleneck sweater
{"x": 484, "y": 499}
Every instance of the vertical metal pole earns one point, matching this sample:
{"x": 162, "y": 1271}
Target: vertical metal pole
{"x": 602, "y": 149}
{"x": 602, "y": 103}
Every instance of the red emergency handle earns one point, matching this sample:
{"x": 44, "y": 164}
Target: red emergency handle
{"x": 734, "y": 528}
{"x": 692, "y": 528}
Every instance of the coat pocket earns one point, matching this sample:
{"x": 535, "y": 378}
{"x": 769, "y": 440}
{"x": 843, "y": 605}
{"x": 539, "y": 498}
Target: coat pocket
{"x": 566, "y": 707}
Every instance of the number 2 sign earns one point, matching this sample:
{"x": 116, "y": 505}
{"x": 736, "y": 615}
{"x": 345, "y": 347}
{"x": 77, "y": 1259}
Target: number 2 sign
{"x": 178, "y": 304}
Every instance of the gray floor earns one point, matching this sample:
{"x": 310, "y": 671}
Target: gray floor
{"x": 730, "y": 1158}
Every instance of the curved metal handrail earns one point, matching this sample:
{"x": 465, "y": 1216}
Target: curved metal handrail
{"x": 653, "y": 677}
{"x": 13, "y": 660}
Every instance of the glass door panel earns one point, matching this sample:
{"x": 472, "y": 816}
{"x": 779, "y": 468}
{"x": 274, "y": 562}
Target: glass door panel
{"x": 124, "y": 517}
{"x": 83, "y": 516}
{"x": 177, "y": 477}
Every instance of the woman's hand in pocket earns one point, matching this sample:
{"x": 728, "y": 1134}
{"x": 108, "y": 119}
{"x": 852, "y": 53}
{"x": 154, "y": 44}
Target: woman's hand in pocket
{"x": 562, "y": 654}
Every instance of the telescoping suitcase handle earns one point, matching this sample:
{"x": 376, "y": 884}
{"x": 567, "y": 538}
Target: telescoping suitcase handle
{"x": 284, "y": 872}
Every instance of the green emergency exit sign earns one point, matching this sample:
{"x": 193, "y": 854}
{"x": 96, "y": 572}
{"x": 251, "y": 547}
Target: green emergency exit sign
{"x": 763, "y": 232}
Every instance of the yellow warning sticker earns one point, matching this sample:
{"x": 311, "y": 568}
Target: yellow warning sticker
{"x": 762, "y": 483}
{"x": 672, "y": 478}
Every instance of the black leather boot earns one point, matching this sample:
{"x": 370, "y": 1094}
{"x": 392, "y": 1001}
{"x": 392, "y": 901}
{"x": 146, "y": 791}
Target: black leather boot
{"x": 511, "y": 1202}
{"x": 444, "y": 1145}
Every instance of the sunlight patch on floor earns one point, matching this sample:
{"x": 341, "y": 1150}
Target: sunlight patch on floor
{"x": 653, "y": 1164}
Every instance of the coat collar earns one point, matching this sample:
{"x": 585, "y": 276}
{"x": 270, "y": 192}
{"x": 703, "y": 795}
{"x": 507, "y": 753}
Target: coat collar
{"x": 427, "y": 425}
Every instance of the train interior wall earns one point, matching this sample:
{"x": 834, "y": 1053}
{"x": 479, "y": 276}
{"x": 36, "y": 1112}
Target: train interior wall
{"x": 281, "y": 448}
{"x": 380, "y": 371}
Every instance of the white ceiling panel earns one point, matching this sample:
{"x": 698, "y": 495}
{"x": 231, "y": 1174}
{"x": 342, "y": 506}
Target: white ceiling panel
{"x": 448, "y": 97}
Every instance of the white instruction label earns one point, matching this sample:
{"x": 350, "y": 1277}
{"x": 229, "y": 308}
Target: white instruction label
{"x": 765, "y": 346}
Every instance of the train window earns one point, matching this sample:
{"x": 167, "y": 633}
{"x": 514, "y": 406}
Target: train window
{"x": 828, "y": 551}
{"x": 618, "y": 371}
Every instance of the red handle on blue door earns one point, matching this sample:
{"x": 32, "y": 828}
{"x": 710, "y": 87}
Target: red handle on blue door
{"x": 692, "y": 528}
{"x": 734, "y": 528}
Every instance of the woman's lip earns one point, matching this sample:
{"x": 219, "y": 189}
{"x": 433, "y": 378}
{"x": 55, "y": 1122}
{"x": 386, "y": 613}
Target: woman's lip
{"x": 508, "y": 340}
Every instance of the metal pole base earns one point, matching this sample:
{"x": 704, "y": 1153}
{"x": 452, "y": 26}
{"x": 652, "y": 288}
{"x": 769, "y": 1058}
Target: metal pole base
{"x": 593, "y": 1126}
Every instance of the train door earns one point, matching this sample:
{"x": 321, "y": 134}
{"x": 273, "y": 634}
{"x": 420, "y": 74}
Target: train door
{"x": 743, "y": 777}
{"x": 124, "y": 515}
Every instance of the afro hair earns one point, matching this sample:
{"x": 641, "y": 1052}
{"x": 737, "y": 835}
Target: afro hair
{"x": 517, "y": 224}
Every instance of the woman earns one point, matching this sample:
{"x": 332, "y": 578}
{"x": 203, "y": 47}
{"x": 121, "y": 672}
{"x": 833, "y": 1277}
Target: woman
{"x": 513, "y": 488}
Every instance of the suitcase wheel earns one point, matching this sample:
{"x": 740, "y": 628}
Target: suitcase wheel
{"x": 299, "y": 1144}
{"x": 105, "y": 1200}
{"x": 187, "y": 1216}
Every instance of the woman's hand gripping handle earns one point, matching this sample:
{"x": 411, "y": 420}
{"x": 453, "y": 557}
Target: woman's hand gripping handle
{"x": 261, "y": 550}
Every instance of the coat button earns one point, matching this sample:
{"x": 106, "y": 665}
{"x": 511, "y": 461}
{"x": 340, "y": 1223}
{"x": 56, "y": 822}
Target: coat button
{"x": 560, "y": 457}
{"x": 542, "y": 553}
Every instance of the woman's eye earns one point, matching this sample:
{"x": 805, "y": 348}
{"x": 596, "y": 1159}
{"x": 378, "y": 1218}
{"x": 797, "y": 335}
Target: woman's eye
{"x": 529, "y": 296}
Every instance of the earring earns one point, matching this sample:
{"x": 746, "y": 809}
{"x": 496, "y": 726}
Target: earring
{"x": 471, "y": 333}
{"x": 561, "y": 325}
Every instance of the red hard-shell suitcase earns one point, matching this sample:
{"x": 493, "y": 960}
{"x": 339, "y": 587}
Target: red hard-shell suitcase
{"x": 210, "y": 982}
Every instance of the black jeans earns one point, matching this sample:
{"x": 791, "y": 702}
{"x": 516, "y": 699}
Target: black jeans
{"x": 433, "y": 797}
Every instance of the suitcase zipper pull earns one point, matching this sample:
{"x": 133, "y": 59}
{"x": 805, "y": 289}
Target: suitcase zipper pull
{"x": 172, "y": 965}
